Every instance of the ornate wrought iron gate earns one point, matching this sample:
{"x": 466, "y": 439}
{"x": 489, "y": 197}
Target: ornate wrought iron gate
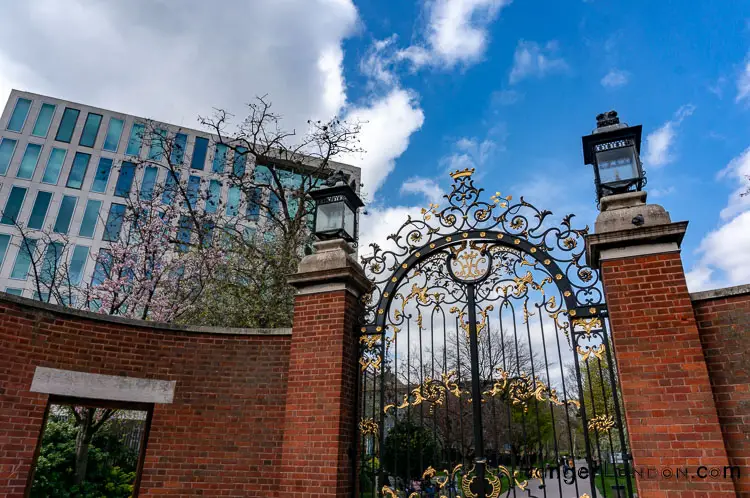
{"x": 486, "y": 368}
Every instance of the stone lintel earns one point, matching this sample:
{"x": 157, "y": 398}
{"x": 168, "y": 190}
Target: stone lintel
{"x": 331, "y": 267}
{"x": 650, "y": 239}
{"x": 737, "y": 290}
{"x": 103, "y": 387}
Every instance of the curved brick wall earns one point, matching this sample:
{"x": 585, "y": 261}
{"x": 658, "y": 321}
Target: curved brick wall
{"x": 221, "y": 435}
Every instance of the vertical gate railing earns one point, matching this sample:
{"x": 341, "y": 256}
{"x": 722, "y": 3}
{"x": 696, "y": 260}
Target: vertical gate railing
{"x": 454, "y": 400}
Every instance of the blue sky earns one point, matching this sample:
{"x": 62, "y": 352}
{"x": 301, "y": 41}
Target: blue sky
{"x": 505, "y": 87}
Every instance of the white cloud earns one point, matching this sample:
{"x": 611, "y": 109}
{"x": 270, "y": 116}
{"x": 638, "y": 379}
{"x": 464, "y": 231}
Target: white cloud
{"x": 743, "y": 82}
{"x": 123, "y": 56}
{"x": 456, "y": 33}
{"x": 658, "y": 193}
{"x": 425, "y": 186}
{"x": 723, "y": 252}
{"x": 615, "y": 78}
{"x": 534, "y": 60}
{"x": 470, "y": 152}
{"x": 659, "y": 143}
{"x": 380, "y": 222}
{"x": 387, "y": 124}
{"x": 506, "y": 97}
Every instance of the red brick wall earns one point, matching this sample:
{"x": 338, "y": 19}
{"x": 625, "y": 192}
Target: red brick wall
{"x": 671, "y": 416}
{"x": 221, "y": 436}
{"x": 321, "y": 409}
{"x": 725, "y": 334}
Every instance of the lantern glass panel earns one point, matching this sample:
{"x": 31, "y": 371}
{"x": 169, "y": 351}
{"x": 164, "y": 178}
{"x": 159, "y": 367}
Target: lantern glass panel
{"x": 330, "y": 217}
{"x": 617, "y": 165}
{"x": 348, "y": 221}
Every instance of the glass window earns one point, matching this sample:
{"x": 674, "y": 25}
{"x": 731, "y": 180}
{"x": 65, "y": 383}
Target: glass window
{"x": 65, "y": 214}
{"x": 194, "y": 186}
{"x": 262, "y": 175}
{"x": 13, "y": 206}
{"x": 78, "y": 170}
{"x": 7, "y": 148}
{"x": 125, "y": 180}
{"x": 240, "y": 159}
{"x": 199, "y": 153}
{"x": 214, "y": 196}
{"x": 149, "y": 182}
{"x": 274, "y": 203}
{"x": 114, "y": 222}
{"x": 90, "y": 217}
{"x": 253, "y": 203}
{"x": 102, "y": 267}
{"x": 14, "y": 291}
{"x": 184, "y": 232}
{"x": 54, "y": 166}
{"x": 233, "y": 201}
{"x": 43, "y": 120}
{"x": 43, "y": 297}
{"x": 178, "y": 148}
{"x": 170, "y": 188}
{"x": 135, "y": 140}
{"x": 102, "y": 175}
{"x": 114, "y": 132}
{"x": 157, "y": 144}
{"x": 4, "y": 243}
{"x": 39, "y": 211}
{"x": 220, "y": 158}
{"x": 23, "y": 259}
{"x": 28, "y": 163}
{"x": 78, "y": 264}
{"x": 18, "y": 118}
{"x": 51, "y": 262}
{"x": 90, "y": 130}
{"x": 67, "y": 125}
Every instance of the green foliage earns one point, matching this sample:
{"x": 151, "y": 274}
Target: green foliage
{"x": 409, "y": 449}
{"x": 111, "y": 467}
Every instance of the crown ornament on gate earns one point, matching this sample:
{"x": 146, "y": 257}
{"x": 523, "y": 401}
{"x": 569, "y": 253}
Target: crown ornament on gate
{"x": 538, "y": 241}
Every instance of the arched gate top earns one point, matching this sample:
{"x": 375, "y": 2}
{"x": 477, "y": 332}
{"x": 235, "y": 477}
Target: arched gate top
{"x": 557, "y": 249}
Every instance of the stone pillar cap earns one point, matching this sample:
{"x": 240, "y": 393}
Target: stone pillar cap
{"x": 332, "y": 262}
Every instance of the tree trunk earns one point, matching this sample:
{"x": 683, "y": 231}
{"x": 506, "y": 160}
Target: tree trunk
{"x": 83, "y": 440}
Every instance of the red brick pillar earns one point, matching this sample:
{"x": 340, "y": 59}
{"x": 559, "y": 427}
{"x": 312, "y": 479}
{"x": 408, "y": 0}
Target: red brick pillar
{"x": 320, "y": 432}
{"x": 670, "y": 412}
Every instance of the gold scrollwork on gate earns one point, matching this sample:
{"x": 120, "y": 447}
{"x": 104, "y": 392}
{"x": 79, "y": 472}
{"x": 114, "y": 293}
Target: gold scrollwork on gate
{"x": 588, "y": 351}
{"x": 368, "y": 426}
{"x": 601, "y": 423}
{"x": 587, "y": 324}
{"x": 430, "y": 391}
{"x": 464, "y": 324}
{"x": 522, "y": 389}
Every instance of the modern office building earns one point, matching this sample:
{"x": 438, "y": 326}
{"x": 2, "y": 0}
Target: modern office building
{"x": 66, "y": 168}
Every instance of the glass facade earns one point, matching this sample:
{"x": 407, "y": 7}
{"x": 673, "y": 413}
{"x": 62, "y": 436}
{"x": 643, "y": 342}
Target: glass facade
{"x": 51, "y": 262}
{"x": 14, "y": 291}
{"x": 67, "y": 125}
{"x": 90, "y": 217}
{"x": 200, "y": 149}
{"x": 101, "y": 179}
{"x": 262, "y": 175}
{"x": 149, "y": 182}
{"x": 115, "y": 219}
{"x": 7, "y": 148}
{"x": 23, "y": 259}
{"x": 78, "y": 170}
{"x": 28, "y": 163}
{"x": 233, "y": 201}
{"x": 178, "y": 148}
{"x": 13, "y": 206}
{"x": 240, "y": 160}
{"x": 39, "y": 211}
{"x": 220, "y": 158}
{"x": 214, "y": 196}
{"x": 43, "y": 120}
{"x": 253, "y": 204}
{"x": 114, "y": 132}
{"x": 4, "y": 243}
{"x": 102, "y": 267}
{"x": 136, "y": 139}
{"x": 20, "y": 112}
{"x": 193, "y": 190}
{"x": 65, "y": 214}
{"x": 54, "y": 166}
{"x": 78, "y": 264}
{"x": 157, "y": 144}
{"x": 183, "y": 233}
{"x": 90, "y": 130}
{"x": 125, "y": 180}
{"x": 170, "y": 188}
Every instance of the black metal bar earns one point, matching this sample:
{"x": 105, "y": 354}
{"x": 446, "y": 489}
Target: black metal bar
{"x": 567, "y": 411}
{"x": 476, "y": 393}
{"x": 582, "y": 401}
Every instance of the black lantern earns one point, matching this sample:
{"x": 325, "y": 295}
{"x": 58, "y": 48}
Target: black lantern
{"x": 336, "y": 205}
{"x": 614, "y": 150}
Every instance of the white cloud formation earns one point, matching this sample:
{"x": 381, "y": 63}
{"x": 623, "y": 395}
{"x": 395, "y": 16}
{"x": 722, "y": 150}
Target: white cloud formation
{"x": 534, "y": 60}
{"x": 470, "y": 152}
{"x": 723, "y": 252}
{"x": 659, "y": 143}
{"x": 456, "y": 33}
{"x": 425, "y": 186}
{"x": 615, "y": 78}
{"x": 505, "y": 97}
{"x": 743, "y": 82}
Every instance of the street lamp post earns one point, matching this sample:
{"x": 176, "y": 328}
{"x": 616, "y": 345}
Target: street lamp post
{"x": 613, "y": 148}
{"x": 336, "y": 205}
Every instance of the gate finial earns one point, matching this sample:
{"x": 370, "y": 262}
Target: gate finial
{"x": 461, "y": 173}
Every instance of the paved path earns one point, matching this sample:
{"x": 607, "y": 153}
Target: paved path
{"x": 554, "y": 485}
